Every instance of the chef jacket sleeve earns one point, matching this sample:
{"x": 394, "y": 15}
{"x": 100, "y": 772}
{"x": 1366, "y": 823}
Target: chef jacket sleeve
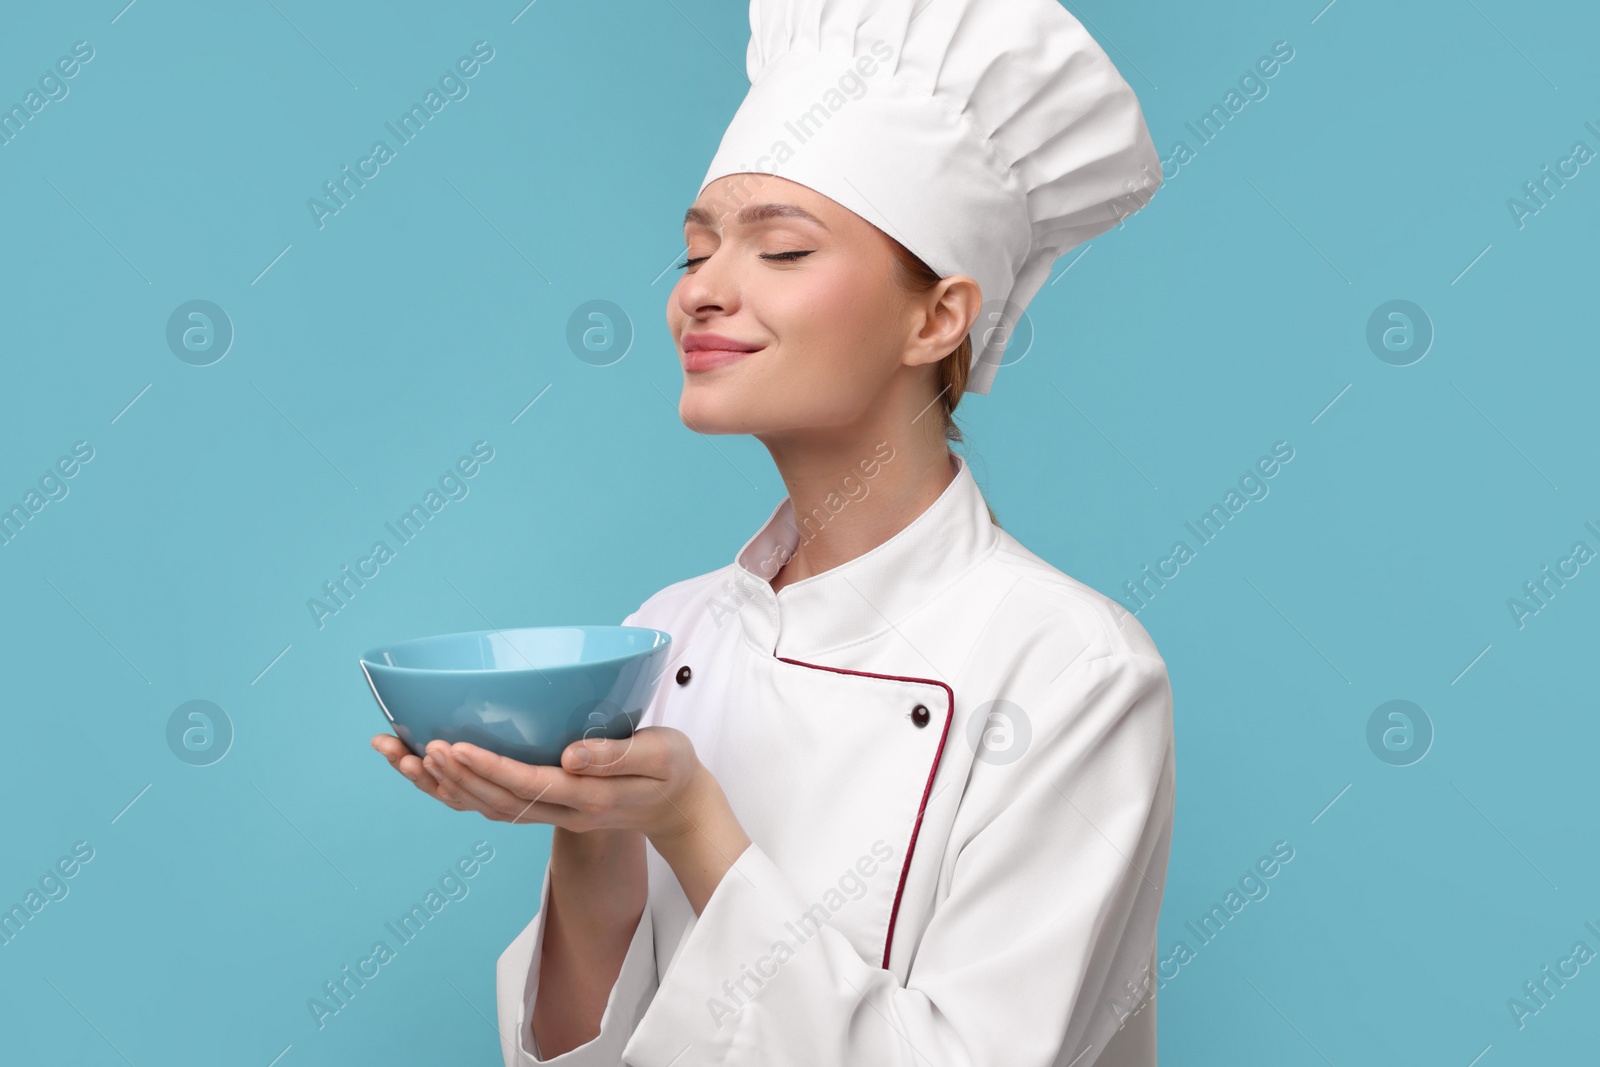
{"x": 517, "y": 987}
{"x": 1033, "y": 958}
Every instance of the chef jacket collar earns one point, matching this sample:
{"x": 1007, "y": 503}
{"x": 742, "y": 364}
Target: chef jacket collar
{"x": 864, "y": 596}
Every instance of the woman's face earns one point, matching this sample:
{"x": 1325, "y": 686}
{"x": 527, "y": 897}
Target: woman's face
{"x": 812, "y": 287}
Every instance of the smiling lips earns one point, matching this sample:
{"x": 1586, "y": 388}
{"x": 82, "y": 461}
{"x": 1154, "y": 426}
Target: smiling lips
{"x": 702, "y": 351}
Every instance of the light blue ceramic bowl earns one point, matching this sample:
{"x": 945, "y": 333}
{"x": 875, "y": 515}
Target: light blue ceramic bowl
{"x": 526, "y": 694}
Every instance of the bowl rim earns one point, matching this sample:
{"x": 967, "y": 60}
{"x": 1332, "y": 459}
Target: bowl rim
{"x": 366, "y": 659}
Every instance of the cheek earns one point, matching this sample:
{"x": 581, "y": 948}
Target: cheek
{"x": 836, "y": 325}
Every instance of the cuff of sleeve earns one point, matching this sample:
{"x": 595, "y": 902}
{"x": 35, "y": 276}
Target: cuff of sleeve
{"x": 743, "y": 921}
{"x": 517, "y": 989}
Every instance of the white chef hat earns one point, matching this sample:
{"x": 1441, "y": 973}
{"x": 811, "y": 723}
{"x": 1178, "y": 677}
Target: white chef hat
{"x": 986, "y": 136}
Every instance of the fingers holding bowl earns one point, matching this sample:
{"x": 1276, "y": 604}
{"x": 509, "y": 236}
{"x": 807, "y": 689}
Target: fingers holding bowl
{"x": 400, "y": 758}
{"x": 390, "y": 748}
{"x": 498, "y": 803}
{"x": 505, "y": 791}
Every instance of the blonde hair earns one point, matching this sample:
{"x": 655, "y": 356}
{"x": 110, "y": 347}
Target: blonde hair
{"x": 918, "y": 277}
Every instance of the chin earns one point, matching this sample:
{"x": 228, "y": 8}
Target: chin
{"x": 729, "y": 407}
{"x": 717, "y": 408}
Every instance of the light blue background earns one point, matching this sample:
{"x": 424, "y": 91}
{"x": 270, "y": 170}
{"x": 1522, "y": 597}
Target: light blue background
{"x": 426, "y": 316}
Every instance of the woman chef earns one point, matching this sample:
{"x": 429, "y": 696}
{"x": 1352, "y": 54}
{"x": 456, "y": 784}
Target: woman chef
{"x": 905, "y": 794}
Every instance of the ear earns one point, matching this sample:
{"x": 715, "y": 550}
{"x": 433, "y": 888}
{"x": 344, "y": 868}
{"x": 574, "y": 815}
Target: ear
{"x": 948, "y": 311}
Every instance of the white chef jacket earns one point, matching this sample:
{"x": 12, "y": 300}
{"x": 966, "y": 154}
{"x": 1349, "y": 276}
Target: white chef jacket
{"x": 915, "y": 892}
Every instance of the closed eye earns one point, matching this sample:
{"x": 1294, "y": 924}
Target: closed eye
{"x": 784, "y": 257}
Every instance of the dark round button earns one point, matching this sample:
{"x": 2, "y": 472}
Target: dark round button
{"x": 683, "y": 675}
{"x": 920, "y": 716}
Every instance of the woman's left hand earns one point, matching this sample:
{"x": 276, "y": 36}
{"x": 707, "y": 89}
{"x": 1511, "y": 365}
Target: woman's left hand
{"x": 651, "y": 782}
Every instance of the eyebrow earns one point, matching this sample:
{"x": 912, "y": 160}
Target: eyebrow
{"x": 751, "y": 214}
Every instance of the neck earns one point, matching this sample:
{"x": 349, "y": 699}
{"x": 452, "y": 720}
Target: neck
{"x": 851, "y": 493}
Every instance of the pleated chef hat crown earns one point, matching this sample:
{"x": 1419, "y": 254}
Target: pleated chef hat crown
{"x": 986, "y": 136}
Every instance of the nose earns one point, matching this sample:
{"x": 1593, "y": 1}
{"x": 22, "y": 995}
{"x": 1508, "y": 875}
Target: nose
{"x": 711, "y": 288}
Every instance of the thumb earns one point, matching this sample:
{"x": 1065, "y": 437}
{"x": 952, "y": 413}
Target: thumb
{"x": 594, "y": 755}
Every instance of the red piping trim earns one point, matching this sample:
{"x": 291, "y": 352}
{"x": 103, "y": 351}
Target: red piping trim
{"x": 905, "y": 869}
